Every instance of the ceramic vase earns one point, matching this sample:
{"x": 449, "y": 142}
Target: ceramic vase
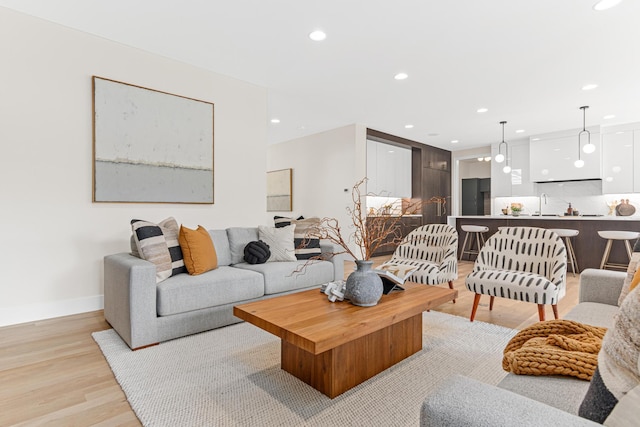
{"x": 364, "y": 287}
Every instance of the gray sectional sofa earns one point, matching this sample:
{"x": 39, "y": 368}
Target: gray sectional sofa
{"x": 145, "y": 313}
{"x": 521, "y": 400}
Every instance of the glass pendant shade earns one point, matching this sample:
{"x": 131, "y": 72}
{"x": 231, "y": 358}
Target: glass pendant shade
{"x": 589, "y": 147}
{"x": 502, "y": 157}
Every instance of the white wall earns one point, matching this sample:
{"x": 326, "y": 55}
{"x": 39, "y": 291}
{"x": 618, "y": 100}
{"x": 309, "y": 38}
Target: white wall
{"x": 459, "y": 172}
{"x": 55, "y": 237}
{"x": 324, "y": 165}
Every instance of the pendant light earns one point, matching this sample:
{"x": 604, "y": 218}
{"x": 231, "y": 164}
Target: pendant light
{"x": 580, "y": 163}
{"x": 502, "y": 157}
{"x": 589, "y": 147}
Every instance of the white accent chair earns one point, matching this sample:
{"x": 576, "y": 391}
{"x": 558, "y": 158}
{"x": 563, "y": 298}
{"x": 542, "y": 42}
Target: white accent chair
{"x": 521, "y": 263}
{"x": 433, "y": 249}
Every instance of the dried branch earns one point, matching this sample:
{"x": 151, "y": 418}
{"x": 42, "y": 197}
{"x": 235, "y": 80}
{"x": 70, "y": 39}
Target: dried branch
{"x": 370, "y": 229}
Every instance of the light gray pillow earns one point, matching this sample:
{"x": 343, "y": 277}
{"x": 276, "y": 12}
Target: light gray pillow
{"x": 280, "y": 241}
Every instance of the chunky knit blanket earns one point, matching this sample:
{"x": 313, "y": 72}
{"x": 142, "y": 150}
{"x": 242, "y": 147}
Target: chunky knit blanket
{"x": 555, "y": 347}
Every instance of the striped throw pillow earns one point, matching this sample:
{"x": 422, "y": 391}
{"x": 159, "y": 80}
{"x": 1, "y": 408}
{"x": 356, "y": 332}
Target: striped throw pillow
{"x": 309, "y": 247}
{"x": 158, "y": 243}
{"x": 283, "y": 221}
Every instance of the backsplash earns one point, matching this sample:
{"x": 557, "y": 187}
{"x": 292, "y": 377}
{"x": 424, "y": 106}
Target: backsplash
{"x": 585, "y": 196}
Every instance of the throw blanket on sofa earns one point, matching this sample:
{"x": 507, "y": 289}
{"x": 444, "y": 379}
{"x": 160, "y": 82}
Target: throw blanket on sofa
{"x": 555, "y": 347}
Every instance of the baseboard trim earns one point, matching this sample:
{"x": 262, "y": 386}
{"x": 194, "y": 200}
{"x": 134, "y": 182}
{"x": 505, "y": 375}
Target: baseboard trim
{"x": 33, "y": 312}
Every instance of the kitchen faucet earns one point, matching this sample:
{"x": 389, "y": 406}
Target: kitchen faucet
{"x": 540, "y": 202}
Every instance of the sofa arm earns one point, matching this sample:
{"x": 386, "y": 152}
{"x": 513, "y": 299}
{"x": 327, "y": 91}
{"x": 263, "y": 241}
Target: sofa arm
{"x": 130, "y": 298}
{"x": 603, "y": 286}
{"x": 462, "y": 401}
{"x": 338, "y": 260}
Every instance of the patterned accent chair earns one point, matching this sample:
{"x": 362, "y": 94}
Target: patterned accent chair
{"x": 521, "y": 263}
{"x": 433, "y": 249}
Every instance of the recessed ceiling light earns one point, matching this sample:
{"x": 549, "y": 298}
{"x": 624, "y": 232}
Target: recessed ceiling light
{"x": 487, "y": 159}
{"x": 482, "y": 110}
{"x": 408, "y": 126}
{"x": 535, "y": 139}
{"x": 609, "y": 116}
{"x": 481, "y": 159}
{"x": 520, "y": 131}
{"x": 317, "y": 35}
{"x": 590, "y": 86}
{"x": 401, "y": 76}
{"x": 391, "y": 151}
{"x": 605, "y": 4}
{"x": 454, "y": 141}
{"x": 275, "y": 120}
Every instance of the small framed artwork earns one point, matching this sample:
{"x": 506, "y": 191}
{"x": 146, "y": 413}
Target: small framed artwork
{"x": 150, "y": 146}
{"x": 279, "y": 189}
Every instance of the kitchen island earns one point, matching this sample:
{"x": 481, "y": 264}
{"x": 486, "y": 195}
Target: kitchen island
{"x": 588, "y": 245}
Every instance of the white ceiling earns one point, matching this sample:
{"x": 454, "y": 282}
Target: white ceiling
{"x": 524, "y": 60}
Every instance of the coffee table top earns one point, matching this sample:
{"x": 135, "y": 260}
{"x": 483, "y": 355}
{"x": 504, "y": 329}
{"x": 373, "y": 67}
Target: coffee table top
{"x": 310, "y": 321}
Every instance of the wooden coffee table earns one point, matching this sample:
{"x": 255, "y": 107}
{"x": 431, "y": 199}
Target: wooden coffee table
{"x": 336, "y": 346}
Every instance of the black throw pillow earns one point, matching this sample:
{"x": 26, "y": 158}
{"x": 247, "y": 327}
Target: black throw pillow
{"x": 256, "y": 252}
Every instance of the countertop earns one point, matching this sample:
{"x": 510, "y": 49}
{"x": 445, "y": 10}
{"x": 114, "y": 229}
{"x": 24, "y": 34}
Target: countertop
{"x": 552, "y": 217}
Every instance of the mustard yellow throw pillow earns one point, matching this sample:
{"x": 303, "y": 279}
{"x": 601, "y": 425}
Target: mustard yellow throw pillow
{"x": 198, "y": 250}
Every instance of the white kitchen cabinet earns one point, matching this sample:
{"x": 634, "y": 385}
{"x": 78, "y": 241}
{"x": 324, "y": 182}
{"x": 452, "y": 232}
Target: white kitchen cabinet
{"x": 388, "y": 170}
{"x": 617, "y": 162}
{"x": 636, "y": 161}
{"x": 518, "y": 181}
{"x": 552, "y": 158}
{"x": 521, "y": 184}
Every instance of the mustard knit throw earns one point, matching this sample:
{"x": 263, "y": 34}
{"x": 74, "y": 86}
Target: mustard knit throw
{"x": 554, "y": 347}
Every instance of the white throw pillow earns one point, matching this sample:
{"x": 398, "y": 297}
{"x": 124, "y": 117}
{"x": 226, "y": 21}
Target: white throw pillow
{"x": 280, "y": 241}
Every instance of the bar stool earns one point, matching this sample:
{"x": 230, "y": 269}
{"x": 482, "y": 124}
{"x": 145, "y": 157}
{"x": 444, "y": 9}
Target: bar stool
{"x": 612, "y": 235}
{"x": 568, "y": 233}
{"x": 477, "y": 232}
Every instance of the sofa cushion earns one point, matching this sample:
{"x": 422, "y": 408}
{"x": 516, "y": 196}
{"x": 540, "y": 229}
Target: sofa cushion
{"x": 224, "y": 285}
{"x": 280, "y": 241}
{"x": 197, "y": 248}
{"x": 221, "y": 243}
{"x": 158, "y": 243}
{"x": 561, "y": 392}
{"x": 618, "y": 364}
{"x": 238, "y": 239}
{"x": 593, "y": 313}
{"x": 282, "y": 276}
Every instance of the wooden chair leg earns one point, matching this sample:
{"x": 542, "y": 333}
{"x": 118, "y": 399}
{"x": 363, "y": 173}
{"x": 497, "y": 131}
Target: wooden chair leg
{"x": 451, "y": 287}
{"x": 491, "y": 303}
{"x": 476, "y": 301}
{"x": 541, "y": 312}
{"x": 555, "y": 310}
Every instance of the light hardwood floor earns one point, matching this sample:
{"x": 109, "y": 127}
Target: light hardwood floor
{"x": 53, "y": 373}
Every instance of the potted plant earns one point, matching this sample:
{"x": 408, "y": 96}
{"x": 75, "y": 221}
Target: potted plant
{"x": 516, "y": 208}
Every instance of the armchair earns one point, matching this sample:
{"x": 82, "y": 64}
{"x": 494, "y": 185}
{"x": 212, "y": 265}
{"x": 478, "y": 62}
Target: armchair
{"x": 432, "y": 248}
{"x": 521, "y": 263}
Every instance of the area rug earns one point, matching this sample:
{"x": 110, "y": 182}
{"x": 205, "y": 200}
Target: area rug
{"x": 231, "y": 377}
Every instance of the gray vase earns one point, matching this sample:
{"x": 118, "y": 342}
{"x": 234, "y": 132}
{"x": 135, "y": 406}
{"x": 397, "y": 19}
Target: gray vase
{"x": 364, "y": 287}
